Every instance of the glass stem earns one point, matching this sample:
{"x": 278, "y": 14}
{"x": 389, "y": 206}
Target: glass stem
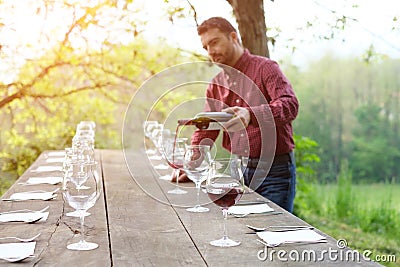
{"x": 198, "y": 194}
{"x": 64, "y": 182}
{"x": 82, "y": 219}
{"x": 225, "y": 213}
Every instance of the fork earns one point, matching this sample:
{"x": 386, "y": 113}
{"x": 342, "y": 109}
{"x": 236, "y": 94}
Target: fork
{"x": 280, "y": 228}
{"x": 17, "y": 259}
{"x": 25, "y": 210}
{"x": 259, "y": 213}
{"x": 272, "y": 245}
{"x": 21, "y": 239}
{"x": 41, "y": 191}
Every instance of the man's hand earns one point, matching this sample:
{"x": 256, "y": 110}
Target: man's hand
{"x": 182, "y": 177}
{"x": 240, "y": 120}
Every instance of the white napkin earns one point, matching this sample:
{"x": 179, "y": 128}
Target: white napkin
{"x": 55, "y": 160}
{"x": 47, "y": 169}
{"x": 24, "y": 216}
{"x": 44, "y": 180}
{"x": 16, "y": 250}
{"x": 244, "y": 209}
{"x": 166, "y": 177}
{"x": 56, "y": 154}
{"x": 32, "y": 196}
{"x": 161, "y": 167}
{"x": 155, "y": 157}
{"x": 305, "y": 235}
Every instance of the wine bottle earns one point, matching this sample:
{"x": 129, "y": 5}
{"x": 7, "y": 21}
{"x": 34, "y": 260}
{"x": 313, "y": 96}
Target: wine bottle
{"x": 207, "y": 120}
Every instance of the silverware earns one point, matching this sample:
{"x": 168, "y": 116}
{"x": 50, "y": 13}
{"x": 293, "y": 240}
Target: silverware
{"x": 21, "y": 239}
{"x": 31, "y": 221}
{"x": 25, "y": 210}
{"x": 41, "y": 191}
{"x": 271, "y": 245}
{"x": 280, "y": 228}
{"x": 36, "y": 220}
{"x": 17, "y": 259}
{"x": 250, "y": 202}
{"x": 16, "y": 200}
{"x": 259, "y": 213}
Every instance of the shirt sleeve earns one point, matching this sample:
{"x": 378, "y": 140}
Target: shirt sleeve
{"x": 283, "y": 103}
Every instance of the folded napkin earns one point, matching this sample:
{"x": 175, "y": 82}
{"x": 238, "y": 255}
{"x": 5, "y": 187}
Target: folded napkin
{"x": 161, "y": 167}
{"x": 166, "y": 177}
{"x": 56, "y": 154}
{"x": 47, "y": 169}
{"x": 277, "y": 238}
{"x": 16, "y": 250}
{"x": 55, "y": 160}
{"x": 245, "y": 209}
{"x": 31, "y": 196}
{"x": 44, "y": 180}
{"x": 24, "y": 216}
{"x": 155, "y": 157}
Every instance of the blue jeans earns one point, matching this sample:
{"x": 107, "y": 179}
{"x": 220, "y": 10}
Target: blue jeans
{"x": 278, "y": 185}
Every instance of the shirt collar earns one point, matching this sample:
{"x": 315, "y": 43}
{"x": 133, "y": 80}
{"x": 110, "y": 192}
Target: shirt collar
{"x": 240, "y": 65}
{"x": 242, "y": 62}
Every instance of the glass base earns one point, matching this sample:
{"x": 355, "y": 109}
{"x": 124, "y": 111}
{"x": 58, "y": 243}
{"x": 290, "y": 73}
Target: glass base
{"x": 177, "y": 191}
{"x": 198, "y": 208}
{"x": 83, "y": 187}
{"x": 77, "y": 213}
{"x": 225, "y": 242}
{"x": 248, "y": 190}
{"x": 151, "y": 152}
{"x": 82, "y": 245}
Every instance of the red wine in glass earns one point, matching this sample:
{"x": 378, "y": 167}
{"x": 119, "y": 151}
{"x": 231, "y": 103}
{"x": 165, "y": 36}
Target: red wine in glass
{"x": 225, "y": 186}
{"x": 225, "y": 197}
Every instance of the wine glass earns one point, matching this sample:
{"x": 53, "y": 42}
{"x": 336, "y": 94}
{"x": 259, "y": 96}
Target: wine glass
{"x": 78, "y": 174}
{"x": 86, "y": 125}
{"x": 225, "y": 186}
{"x": 160, "y": 136}
{"x": 81, "y": 201}
{"x": 154, "y": 133}
{"x": 196, "y": 165}
{"x": 84, "y": 145}
{"x": 148, "y": 128}
{"x": 174, "y": 152}
{"x": 70, "y": 156}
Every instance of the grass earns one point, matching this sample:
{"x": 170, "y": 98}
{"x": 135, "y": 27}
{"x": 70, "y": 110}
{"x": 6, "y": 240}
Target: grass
{"x": 367, "y": 216}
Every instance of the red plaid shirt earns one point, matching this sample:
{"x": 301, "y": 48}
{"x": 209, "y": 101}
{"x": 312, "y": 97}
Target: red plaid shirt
{"x": 267, "y": 94}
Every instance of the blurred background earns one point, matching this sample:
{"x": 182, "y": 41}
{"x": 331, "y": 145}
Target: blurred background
{"x": 65, "y": 61}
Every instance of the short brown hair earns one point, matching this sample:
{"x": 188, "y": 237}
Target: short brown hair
{"x": 216, "y": 22}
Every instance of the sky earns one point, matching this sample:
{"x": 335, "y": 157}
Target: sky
{"x": 372, "y": 25}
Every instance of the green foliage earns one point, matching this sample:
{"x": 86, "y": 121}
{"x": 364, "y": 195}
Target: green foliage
{"x": 352, "y": 110}
{"x": 76, "y": 87}
{"x": 366, "y": 215}
{"x": 345, "y": 202}
{"x": 306, "y": 159}
{"x": 373, "y": 147}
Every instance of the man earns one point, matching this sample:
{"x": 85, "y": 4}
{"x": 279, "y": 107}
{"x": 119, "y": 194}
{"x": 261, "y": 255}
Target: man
{"x": 271, "y": 172}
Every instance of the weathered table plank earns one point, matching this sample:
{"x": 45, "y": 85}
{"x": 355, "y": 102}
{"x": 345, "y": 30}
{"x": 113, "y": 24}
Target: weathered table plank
{"x": 135, "y": 224}
{"x": 58, "y": 230}
{"x": 143, "y": 231}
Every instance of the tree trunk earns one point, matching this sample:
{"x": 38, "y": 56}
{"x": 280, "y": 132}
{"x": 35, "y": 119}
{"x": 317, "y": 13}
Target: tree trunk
{"x": 251, "y": 21}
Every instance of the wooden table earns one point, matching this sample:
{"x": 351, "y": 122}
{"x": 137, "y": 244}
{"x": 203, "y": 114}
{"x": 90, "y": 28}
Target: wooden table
{"x": 135, "y": 224}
